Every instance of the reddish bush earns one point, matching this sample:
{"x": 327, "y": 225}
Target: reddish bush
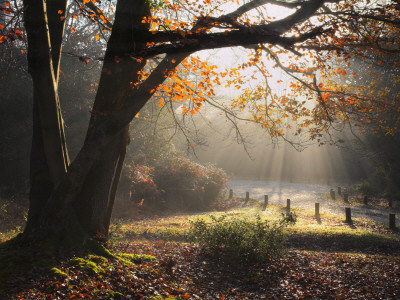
{"x": 175, "y": 183}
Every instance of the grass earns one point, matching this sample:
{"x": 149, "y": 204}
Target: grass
{"x": 356, "y": 199}
{"x": 329, "y": 232}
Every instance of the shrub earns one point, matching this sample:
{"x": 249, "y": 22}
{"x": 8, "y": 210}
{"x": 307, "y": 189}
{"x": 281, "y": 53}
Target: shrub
{"x": 364, "y": 188}
{"x": 188, "y": 185}
{"x": 143, "y": 187}
{"x": 240, "y": 240}
{"x": 171, "y": 183}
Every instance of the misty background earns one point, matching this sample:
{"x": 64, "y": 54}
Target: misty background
{"x": 244, "y": 151}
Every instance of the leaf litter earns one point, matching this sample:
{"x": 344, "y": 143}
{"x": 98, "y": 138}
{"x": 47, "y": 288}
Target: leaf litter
{"x": 321, "y": 266}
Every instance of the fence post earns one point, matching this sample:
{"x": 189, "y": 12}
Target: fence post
{"x": 366, "y": 200}
{"x": 265, "y": 202}
{"x": 247, "y": 198}
{"x": 230, "y": 194}
{"x": 348, "y": 215}
{"x": 288, "y": 206}
{"x": 332, "y": 192}
{"x": 339, "y": 190}
{"x": 317, "y": 210}
{"x": 346, "y": 198}
{"x": 392, "y": 221}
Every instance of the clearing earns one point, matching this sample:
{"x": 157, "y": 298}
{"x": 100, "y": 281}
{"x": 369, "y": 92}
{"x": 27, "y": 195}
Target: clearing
{"x": 326, "y": 258}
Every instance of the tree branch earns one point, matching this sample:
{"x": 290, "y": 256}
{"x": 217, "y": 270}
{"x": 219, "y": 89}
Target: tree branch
{"x": 244, "y": 37}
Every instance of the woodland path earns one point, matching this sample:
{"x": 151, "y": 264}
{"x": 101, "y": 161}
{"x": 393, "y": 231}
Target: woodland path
{"x": 304, "y": 196}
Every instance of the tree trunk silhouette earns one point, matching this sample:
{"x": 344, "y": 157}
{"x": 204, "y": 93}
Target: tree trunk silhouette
{"x": 115, "y": 88}
{"x": 72, "y": 203}
{"x": 49, "y": 155}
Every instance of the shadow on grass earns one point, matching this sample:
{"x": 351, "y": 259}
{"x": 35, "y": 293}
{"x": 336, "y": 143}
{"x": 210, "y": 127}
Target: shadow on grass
{"x": 351, "y": 225}
{"x": 344, "y": 242}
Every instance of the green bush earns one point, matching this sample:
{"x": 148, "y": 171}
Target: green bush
{"x": 240, "y": 240}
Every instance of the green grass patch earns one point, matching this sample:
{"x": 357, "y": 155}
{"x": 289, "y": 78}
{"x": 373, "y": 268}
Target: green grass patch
{"x": 329, "y": 231}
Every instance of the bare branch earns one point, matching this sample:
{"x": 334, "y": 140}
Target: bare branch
{"x": 257, "y": 3}
{"x": 100, "y": 18}
{"x": 248, "y": 36}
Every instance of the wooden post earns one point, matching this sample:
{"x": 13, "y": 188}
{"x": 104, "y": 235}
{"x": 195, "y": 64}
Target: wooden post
{"x": 230, "y": 194}
{"x": 288, "y": 206}
{"x": 346, "y": 198}
{"x": 247, "y": 198}
{"x": 390, "y": 203}
{"x": 339, "y": 190}
{"x": 333, "y": 194}
{"x": 366, "y": 200}
{"x": 265, "y": 202}
{"x": 317, "y": 210}
{"x": 392, "y": 221}
{"x": 348, "y": 215}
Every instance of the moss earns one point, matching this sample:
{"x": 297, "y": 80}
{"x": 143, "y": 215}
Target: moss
{"x": 98, "y": 259}
{"x": 58, "y": 273}
{"x": 98, "y": 248}
{"x": 86, "y": 265}
{"x": 129, "y": 259}
{"x": 114, "y": 295}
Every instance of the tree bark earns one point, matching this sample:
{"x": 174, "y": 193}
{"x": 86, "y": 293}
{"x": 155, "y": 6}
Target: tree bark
{"x": 115, "y": 87}
{"x": 66, "y": 221}
{"x": 80, "y": 201}
{"x": 49, "y": 157}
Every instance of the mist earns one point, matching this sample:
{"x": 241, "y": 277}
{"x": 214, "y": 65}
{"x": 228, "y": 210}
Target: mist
{"x": 245, "y": 150}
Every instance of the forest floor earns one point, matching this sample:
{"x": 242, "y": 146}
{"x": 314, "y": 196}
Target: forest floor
{"x": 326, "y": 259}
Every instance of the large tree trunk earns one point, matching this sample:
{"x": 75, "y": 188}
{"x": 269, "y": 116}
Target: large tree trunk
{"x": 68, "y": 220}
{"x": 119, "y": 71}
{"x": 49, "y": 156}
{"x": 72, "y": 206}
